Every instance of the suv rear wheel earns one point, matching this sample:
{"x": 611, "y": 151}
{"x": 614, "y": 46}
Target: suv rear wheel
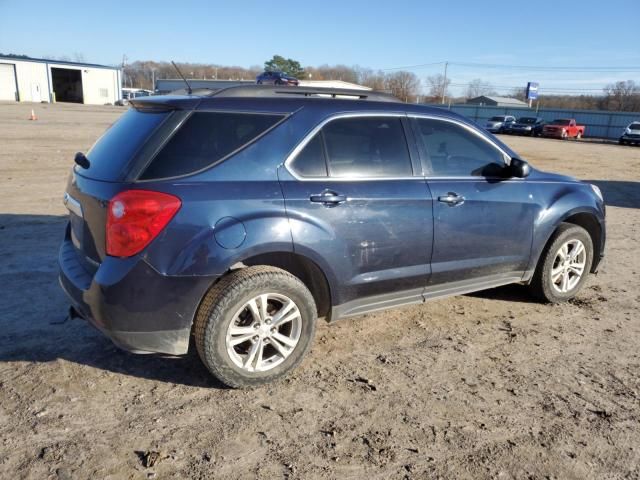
{"x": 564, "y": 264}
{"x": 254, "y": 326}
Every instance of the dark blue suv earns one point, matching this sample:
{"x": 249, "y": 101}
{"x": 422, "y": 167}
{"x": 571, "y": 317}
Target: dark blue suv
{"x": 243, "y": 216}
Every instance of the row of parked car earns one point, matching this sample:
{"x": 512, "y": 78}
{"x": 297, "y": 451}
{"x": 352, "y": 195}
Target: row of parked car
{"x": 535, "y": 126}
{"x": 560, "y": 128}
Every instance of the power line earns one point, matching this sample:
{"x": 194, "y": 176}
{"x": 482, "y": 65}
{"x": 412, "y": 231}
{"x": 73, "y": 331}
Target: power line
{"x": 558, "y": 89}
{"x": 410, "y": 67}
{"x": 550, "y": 68}
{"x": 593, "y": 69}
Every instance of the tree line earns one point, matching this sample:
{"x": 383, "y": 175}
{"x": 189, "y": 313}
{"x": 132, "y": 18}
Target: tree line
{"x": 407, "y": 86}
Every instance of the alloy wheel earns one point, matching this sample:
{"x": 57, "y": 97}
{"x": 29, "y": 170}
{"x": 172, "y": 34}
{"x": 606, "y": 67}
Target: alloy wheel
{"x": 568, "y": 266}
{"x": 264, "y": 332}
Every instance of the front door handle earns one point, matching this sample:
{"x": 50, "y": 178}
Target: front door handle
{"x": 328, "y": 198}
{"x": 452, "y": 199}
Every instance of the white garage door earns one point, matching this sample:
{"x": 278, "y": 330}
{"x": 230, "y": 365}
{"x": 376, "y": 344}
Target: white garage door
{"x": 7, "y": 82}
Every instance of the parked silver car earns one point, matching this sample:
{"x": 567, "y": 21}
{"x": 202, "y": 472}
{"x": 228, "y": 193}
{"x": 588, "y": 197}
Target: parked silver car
{"x": 631, "y": 134}
{"x": 500, "y": 123}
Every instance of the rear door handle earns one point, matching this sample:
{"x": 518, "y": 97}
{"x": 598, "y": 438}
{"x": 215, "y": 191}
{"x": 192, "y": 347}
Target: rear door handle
{"x": 451, "y": 199}
{"x": 328, "y": 198}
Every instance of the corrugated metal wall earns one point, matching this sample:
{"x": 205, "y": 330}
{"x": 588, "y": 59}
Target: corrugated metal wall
{"x": 599, "y": 124}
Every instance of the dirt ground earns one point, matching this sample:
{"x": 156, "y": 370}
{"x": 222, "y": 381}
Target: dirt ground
{"x": 489, "y": 385}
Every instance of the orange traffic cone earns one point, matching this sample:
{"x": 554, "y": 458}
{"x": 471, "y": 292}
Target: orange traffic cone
{"x": 33, "y": 115}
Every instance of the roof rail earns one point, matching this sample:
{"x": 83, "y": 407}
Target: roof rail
{"x": 266, "y": 91}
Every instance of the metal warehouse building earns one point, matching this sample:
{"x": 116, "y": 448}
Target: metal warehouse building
{"x": 25, "y": 79}
{"x": 493, "y": 101}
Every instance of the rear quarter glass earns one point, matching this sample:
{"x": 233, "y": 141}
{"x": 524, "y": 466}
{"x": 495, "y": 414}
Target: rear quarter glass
{"x": 111, "y": 154}
{"x": 206, "y": 138}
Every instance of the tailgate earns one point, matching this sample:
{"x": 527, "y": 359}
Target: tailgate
{"x": 87, "y": 201}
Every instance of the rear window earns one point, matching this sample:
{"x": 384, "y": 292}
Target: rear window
{"x": 634, "y": 126}
{"x": 206, "y": 138}
{"x": 111, "y": 154}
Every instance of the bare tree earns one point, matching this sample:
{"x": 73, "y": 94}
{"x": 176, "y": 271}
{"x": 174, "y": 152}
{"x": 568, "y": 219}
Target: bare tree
{"x": 622, "y": 96}
{"x": 372, "y": 79}
{"x": 478, "y": 87}
{"x": 438, "y": 86}
{"x": 519, "y": 93}
{"x": 404, "y": 85}
{"x": 333, "y": 72}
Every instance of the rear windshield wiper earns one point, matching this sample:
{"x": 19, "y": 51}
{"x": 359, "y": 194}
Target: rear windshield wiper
{"x": 82, "y": 161}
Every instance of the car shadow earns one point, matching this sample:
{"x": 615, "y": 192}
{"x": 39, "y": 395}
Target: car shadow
{"x": 619, "y": 193}
{"x": 508, "y": 293}
{"x": 34, "y": 326}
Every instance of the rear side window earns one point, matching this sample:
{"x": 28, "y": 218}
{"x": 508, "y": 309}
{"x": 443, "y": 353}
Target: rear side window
{"x": 454, "y": 151}
{"x": 310, "y": 161}
{"x": 206, "y": 138}
{"x": 367, "y": 147}
{"x": 113, "y": 151}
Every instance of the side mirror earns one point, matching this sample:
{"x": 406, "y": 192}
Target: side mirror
{"x": 519, "y": 168}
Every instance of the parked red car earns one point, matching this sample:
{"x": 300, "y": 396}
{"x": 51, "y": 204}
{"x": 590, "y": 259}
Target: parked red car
{"x": 563, "y": 128}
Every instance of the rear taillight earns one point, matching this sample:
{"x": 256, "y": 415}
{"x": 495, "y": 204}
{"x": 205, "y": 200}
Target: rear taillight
{"x": 135, "y": 218}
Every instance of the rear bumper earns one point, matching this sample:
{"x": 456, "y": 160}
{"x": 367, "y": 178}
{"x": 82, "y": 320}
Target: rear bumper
{"x": 139, "y": 309}
{"x": 625, "y": 138}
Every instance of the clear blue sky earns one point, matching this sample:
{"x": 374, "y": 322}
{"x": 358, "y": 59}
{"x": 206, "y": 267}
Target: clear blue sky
{"x": 378, "y": 35}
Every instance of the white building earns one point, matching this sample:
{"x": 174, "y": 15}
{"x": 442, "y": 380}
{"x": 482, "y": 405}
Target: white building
{"x": 332, "y": 84}
{"x": 27, "y": 79}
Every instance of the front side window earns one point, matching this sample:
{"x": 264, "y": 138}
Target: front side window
{"x": 206, "y": 138}
{"x": 367, "y": 147}
{"x": 454, "y": 151}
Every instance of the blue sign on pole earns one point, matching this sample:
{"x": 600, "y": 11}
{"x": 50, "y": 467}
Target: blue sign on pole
{"x": 532, "y": 91}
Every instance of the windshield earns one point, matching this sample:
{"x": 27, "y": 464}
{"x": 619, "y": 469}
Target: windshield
{"x": 527, "y": 120}
{"x": 561, "y": 121}
{"x": 117, "y": 146}
{"x": 496, "y": 119}
{"x": 634, "y": 126}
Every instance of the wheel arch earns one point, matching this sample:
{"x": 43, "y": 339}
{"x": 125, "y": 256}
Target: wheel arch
{"x": 590, "y": 223}
{"x": 300, "y": 266}
{"x": 586, "y": 218}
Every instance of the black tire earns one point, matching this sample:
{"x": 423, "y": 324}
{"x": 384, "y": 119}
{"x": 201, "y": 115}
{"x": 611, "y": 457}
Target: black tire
{"x": 229, "y": 294}
{"x": 542, "y": 285}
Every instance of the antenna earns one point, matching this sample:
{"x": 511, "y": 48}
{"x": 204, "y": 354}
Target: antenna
{"x": 189, "y": 91}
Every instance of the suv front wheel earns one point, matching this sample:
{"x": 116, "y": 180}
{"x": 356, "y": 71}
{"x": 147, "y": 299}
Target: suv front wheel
{"x": 255, "y": 325}
{"x": 564, "y": 264}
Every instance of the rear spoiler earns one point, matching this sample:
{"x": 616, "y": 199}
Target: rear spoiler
{"x": 164, "y": 103}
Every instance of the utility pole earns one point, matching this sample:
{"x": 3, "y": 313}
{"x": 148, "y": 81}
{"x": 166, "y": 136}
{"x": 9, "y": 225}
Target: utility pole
{"x": 444, "y": 82}
{"x": 124, "y": 73}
